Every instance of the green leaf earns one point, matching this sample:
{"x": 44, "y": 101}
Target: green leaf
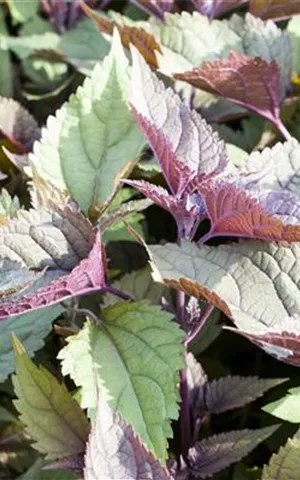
{"x": 293, "y": 29}
{"x": 52, "y": 418}
{"x": 285, "y": 465}
{"x": 111, "y": 222}
{"x": 233, "y": 277}
{"x": 139, "y": 285}
{"x": 208, "y": 333}
{"x": 187, "y": 40}
{"x": 21, "y": 10}
{"x": 287, "y": 408}
{"x": 93, "y": 137}
{"x": 6, "y": 76}
{"x": 82, "y": 46}
{"x": 265, "y": 40}
{"x": 8, "y": 205}
{"x": 31, "y": 328}
{"x": 39, "y": 238}
{"x": 134, "y": 356}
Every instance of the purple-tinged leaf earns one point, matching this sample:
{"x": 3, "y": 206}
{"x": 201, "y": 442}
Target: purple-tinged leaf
{"x": 175, "y": 172}
{"x": 175, "y": 132}
{"x": 231, "y": 392}
{"x": 87, "y": 277}
{"x": 215, "y": 453}
{"x": 187, "y": 211}
{"x": 56, "y": 239}
{"x": 15, "y": 278}
{"x": 197, "y": 379}
{"x": 114, "y": 451}
{"x": 252, "y": 83}
{"x": 74, "y": 464}
{"x": 282, "y": 340}
{"x": 17, "y": 125}
{"x": 274, "y": 9}
{"x": 276, "y": 168}
{"x": 282, "y": 203}
{"x": 155, "y": 7}
{"x": 232, "y": 212}
{"x": 215, "y": 8}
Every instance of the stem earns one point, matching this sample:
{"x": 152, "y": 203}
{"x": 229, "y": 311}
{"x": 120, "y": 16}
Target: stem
{"x": 185, "y": 420}
{"x": 181, "y": 307}
{"x": 118, "y": 293}
{"x": 73, "y": 14}
{"x": 205, "y": 314}
{"x": 283, "y": 130}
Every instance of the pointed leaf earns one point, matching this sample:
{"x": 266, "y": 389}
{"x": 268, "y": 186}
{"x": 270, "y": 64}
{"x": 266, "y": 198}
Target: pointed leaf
{"x": 275, "y": 9}
{"x": 139, "y": 285}
{"x": 274, "y": 168}
{"x": 250, "y": 82}
{"x": 115, "y": 451}
{"x": 265, "y": 40}
{"x": 123, "y": 211}
{"x": 9, "y": 206}
{"x": 93, "y": 136}
{"x": 52, "y": 418}
{"x": 282, "y": 340}
{"x": 183, "y": 142}
{"x": 231, "y": 392}
{"x": 56, "y": 239}
{"x": 145, "y": 397}
{"x": 234, "y": 213}
{"x": 219, "y": 451}
{"x": 273, "y": 176}
{"x": 186, "y": 40}
{"x": 287, "y": 408}
{"x": 17, "y": 125}
{"x": 197, "y": 379}
{"x": 88, "y": 276}
{"x": 232, "y": 277}
{"x": 142, "y": 40}
{"x": 285, "y": 464}
{"x": 31, "y": 328}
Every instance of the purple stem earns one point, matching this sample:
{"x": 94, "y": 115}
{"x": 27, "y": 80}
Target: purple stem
{"x": 205, "y": 314}
{"x": 282, "y": 129}
{"x": 185, "y": 419}
{"x": 73, "y": 14}
{"x": 118, "y": 293}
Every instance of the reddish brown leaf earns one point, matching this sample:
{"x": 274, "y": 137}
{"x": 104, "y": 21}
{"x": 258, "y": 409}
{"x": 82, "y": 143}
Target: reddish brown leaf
{"x": 250, "y": 82}
{"x": 274, "y": 9}
{"x": 233, "y": 213}
{"x": 199, "y": 291}
{"x": 142, "y": 40}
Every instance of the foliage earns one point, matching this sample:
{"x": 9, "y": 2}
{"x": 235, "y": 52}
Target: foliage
{"x": 149, "y": 239}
